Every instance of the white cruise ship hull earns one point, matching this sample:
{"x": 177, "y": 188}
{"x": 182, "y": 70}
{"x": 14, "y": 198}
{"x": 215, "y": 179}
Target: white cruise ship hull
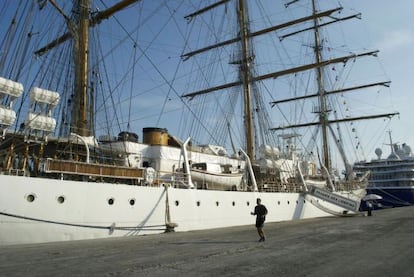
{"x": 37, "y": 210}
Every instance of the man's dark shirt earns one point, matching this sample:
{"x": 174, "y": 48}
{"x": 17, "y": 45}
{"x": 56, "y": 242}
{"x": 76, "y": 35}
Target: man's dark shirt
{"x": 260, "y": 211}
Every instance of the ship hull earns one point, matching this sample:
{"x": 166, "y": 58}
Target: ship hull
{"x": 37, "y": 210}
{"x": 393, "y": 196}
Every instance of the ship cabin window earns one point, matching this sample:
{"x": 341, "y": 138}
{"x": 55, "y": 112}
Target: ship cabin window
{"x": 217, "y": 203}
{"x": 132, "y": 202}
{"x": 111, "y": 201}
{"x": 278, "y": 202}
{"x": 210, "y": 167}
{"x": 248, "y": 203}
{"x": 272, "y": 171}
{"x": 198, "y": 203}
{"x": 199, "y": 166}
{"x": 177, "y": 202}
{"x": 145, "y": 164}
{"x": 227, "y": 168}
{"x": 233, "y": 203}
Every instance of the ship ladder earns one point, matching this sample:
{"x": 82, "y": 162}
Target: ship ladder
{"x": 310, "y": 198}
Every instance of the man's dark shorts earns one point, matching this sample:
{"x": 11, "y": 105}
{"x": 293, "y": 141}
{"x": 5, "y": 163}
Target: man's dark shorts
{"x": 260, "y": 222}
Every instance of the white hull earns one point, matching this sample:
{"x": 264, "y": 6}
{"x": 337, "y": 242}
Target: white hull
{"x": 86, "y": 213}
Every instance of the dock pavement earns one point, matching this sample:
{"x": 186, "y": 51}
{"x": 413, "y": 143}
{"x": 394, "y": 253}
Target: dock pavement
{"x": 378, "y": 245}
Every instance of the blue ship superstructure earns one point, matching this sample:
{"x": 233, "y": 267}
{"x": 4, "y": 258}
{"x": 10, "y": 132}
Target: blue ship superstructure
{"x": 392, "y": 177}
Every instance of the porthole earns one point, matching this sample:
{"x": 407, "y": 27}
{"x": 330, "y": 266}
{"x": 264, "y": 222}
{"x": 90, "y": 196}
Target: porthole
{"x": 177, "y": 202}
{"x": 132, "y": 202}
{"x": 61, "y": 199}
{"x": 233, "y": 203}
{"x": 278, "y": 202}
{"x": 288, "y": 202}
{"x": 304, "y": 201}
{"x": 297, "y": 202}
{"x": 248, "y": 203}
{"x": 198, "y": 203}
{"x": 217, "y": 203}
{"x": 30, "y": 198}
{"x": 111, "y": 201}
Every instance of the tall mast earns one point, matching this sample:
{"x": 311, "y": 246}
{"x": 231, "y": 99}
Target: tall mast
{"x": 82, "y": 114}
{"x": 246, "y": 76}
{"x": 323, "y": 109}
{"x": 80, "y": 108}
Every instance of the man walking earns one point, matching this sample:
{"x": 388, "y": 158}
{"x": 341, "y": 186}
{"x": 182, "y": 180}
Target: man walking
{"x": 260, "y": 211}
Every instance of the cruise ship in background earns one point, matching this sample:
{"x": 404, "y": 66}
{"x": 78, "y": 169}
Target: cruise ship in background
{"x": 391, "y": 177}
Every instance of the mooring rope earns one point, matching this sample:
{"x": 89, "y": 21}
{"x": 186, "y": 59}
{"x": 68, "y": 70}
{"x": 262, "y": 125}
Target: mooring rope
{"x": 111, "y": 227}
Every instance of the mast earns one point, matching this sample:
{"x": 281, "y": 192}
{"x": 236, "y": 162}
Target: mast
{"x": 80, "y": 108}
{"x": 246, "y": 77}
{"x": 82, "y": 116}
{"x": 391, "y": 144}
{"x": 323, "y": 109}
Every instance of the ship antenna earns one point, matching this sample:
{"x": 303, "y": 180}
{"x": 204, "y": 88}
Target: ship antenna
{"x": 391, "y": 144}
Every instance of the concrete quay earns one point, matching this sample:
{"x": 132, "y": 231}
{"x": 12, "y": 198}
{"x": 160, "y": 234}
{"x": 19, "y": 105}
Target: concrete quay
{"x": 379, "y": 245}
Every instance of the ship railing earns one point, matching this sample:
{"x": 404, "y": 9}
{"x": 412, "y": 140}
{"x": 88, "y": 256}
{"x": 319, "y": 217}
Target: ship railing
{"x": 17, "y": 172}
{"x": 178, "y": 179}
{"x": 282, "y": 187}
{"x": 91, "y": 169}
{"x": 350, "y": 185}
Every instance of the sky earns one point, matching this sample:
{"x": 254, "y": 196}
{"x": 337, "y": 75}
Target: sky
{"x": 387, "y": 25}
{"x": 390, "y": 28}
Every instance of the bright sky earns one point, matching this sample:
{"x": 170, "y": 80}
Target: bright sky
{"x": 388, "y": 25}
{"x": 390, "y": 28}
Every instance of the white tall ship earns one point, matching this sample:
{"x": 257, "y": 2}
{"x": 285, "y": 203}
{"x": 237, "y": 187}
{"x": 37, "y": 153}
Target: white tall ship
{"x": 65, "y": 176}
